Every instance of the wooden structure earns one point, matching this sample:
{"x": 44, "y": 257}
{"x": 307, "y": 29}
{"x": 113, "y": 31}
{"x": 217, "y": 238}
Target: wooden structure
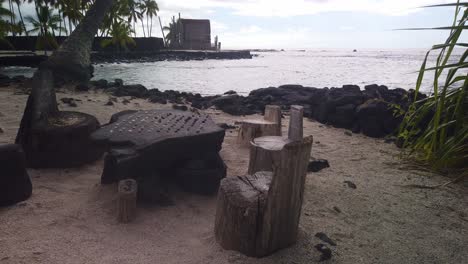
{"x": 126, "y": 201}
{"x": 195, "y": 34}
{"x": 269, "y": 126}
{"x": 258, "y": 214}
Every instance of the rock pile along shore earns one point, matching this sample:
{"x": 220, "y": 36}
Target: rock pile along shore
{"x": 373, "y": 111}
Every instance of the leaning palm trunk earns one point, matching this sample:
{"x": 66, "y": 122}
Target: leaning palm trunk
{"x": 72, "y": 61}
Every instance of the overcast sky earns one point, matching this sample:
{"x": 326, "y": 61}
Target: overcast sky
{"x": 298, "y": 24}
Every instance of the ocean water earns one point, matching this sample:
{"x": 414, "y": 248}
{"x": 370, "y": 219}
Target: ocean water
{"x": 316, "y": 68}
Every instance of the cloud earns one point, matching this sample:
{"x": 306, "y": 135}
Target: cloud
{"x": 252, "y": 37}
{"x": 347, "y": 28}
{"x": 280, "y": 8}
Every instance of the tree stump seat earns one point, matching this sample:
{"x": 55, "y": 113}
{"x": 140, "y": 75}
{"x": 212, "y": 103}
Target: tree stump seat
{"x": 258, "y": 214}
{"x": 253, "y": 128}
{"x": 63, "y": 141}
{"x": 142, "y": 143}
{"x": 15, "y": 184}
{"x": 52, "y": 138}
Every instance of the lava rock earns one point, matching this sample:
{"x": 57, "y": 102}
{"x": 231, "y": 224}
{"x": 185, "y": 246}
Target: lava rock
{"x": 69, "y": 101}
{"x": 226, "y": 126}
{"x": 343, "y": 116}
{"x": 100, "y": 84}
{"x": 15, "y": 183}
{"x": 202, "y": 176}
{"x": 316, "y": 165}
{"x": 351, "y": 184}
{"x": 326, "y": 252}
{"x": 376, "y": 119}
{"x": 230, "y": 92}
{"x": 82, "y": 87}
{"x": 136, "y": 90}
{"x": 118, "y": 82}
{"x": 179, "y": 107}
{"x": 322, "y": 236}
{"x": 4, "y": 80}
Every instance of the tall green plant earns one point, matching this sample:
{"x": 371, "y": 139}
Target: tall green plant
{"x": 435, "y": 129}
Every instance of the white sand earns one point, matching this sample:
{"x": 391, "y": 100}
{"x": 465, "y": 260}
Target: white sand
{"x": 71, "y": 218}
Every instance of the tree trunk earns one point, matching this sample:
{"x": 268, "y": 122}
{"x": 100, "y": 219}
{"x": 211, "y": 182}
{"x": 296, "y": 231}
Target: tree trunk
{"x": 295, "y": 131}
{"x": 72, "y": 61}
{"x": 147, "y": 26}
{"x": 21, "y": 17}
{"x": 143, "y": 27}
{"x": 258, "y": 216}
{"x": 273, "y": 114}
{"x": 251, "y": 129}
{"x": 151, "y": 26}
{"x": 261, "y": 152}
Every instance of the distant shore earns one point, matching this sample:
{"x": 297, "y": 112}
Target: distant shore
{"x": 29, "y": 59}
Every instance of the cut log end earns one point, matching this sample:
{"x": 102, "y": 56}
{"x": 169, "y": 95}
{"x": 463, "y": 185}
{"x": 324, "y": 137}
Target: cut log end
{"x": 240, "y": 200}
{"x": 127, "y": 197}
{"x": 251, "y": 129}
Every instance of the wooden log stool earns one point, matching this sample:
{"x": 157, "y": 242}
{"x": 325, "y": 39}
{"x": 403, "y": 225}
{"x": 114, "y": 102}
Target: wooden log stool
{"x": 269, "y": 126}
{"x": 258, "y": 214}
{"x": 261, "y": 148}
{"x": 127, "y": 198}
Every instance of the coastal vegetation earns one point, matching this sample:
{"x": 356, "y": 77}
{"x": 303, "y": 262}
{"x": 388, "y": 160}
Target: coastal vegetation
{"x": 435, "y": 129}
{"x": 60, "y": 17}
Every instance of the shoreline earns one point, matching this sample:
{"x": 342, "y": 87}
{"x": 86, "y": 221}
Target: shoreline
{"x": 372, "y": 111}
{"x": 33, "y": 60}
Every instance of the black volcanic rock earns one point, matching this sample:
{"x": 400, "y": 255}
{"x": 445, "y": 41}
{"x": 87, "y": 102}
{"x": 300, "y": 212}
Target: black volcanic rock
{"x": 136, "y": 90}
{"x": 15, "y": 184}
{"x": 143, "y": 142}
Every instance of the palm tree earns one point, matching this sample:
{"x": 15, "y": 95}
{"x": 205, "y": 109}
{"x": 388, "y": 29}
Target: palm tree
{"x": 151, "y": 9}
{"x": 141, "y": 6}
{"x": 23, "y": 26}
{"x": 5, "y": 25}
{"x": 134, "y": 14}
{"x": 172, "y": 36}
{"x": 120, "y": 32}
{"x": 72, "y": 60}
{"x": 45, "y": 25}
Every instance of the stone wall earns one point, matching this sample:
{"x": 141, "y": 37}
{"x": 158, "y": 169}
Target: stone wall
{"x": 29, "y": 44}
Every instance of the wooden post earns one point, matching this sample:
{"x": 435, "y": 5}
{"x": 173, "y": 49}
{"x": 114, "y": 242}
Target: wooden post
{"x": 258, "y": 217}
{"x": 273, "y": 114}
{"x": 251, "y": 129}
{"x": 280, "y": 219}
{"x": 127, "y": 195}
{"x": 295, "y": 131}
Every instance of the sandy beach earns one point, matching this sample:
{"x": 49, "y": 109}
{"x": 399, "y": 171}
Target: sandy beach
{"x": 71, "y": 217}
